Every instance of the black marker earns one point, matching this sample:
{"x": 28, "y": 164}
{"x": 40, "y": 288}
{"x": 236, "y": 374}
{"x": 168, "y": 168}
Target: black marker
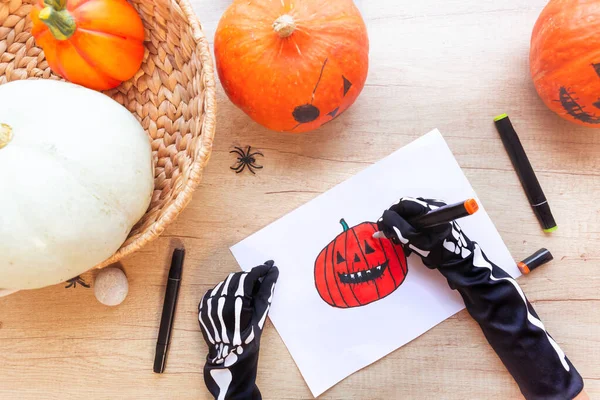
{"x": 521, "y": 163}
{"x": 439, "y": 216}
{"x": 168, "y": 313}
{"x": 445, "y": 214}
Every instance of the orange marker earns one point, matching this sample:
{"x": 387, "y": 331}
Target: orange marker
{"x": 445, "y": 214}
{"x": 440, "y": 216}
{"x": 537, "y": 259}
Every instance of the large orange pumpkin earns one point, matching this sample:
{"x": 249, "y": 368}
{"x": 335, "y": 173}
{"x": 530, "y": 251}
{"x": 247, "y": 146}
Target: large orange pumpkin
{"x": 565, "y": 59}
{"x": 94, "y": 43}
{"x": 292, "y": 65}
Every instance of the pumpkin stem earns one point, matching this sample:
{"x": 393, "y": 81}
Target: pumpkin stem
{"x": 6, "y": 134}
{"x": 284, "y": 25}
{"x": 344, "y": 224}
{"x": 56, "y": 4}
{"x": 60, "y": 22}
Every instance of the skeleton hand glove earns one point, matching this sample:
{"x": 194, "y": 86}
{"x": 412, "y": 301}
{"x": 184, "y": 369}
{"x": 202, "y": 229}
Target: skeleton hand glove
{"x": 439, "y": 245}
{"x": 232, "y": 316}
{"x": 493, "y": 299}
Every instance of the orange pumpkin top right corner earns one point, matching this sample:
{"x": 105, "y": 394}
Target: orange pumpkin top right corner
{"x": 565, "y": 59}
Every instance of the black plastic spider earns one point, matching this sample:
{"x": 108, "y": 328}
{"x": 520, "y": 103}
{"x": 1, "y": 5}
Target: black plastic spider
{"x": 246, "y": 159}
{"x": 72, "y": 283}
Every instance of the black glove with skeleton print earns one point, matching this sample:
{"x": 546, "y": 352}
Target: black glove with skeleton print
{"x": 232, "y": 316}
{"x": 437, "y": 246}
{"x": 493, "y": 299}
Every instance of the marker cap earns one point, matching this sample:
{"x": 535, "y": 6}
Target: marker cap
{"x": 545, "y": 217}
{"x": 177, "y": 264}
{"x": 537, "y": 259}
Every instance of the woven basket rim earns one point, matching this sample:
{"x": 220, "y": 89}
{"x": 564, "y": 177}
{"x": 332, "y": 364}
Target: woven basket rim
{"x": 208, "y": 132}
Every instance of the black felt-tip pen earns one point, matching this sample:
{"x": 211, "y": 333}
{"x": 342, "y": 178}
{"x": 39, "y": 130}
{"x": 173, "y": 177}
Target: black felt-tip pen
{"x": 521, "y": 163}
{"x": 168, "y": 313}
{"x": 445, "y": 214}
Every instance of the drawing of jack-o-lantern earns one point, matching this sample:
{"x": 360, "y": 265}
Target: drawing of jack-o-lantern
{"x": 356, "y": 269}
{"x": 565, "y": 60}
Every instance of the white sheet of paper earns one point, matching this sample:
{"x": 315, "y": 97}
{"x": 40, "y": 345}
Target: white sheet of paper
{"x": 327, "y": 343}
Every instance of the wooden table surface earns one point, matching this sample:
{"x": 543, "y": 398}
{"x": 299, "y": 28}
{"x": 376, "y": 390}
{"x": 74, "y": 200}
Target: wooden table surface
{"x": 450, "y": 64}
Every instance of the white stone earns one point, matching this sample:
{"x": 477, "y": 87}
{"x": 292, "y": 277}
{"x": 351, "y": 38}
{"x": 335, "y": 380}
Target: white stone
{"x": 111, "y": 286}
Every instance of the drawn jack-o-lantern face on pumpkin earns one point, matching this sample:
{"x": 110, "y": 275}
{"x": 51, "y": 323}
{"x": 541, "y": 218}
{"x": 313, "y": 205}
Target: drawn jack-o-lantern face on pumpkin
{"x": 355, "y": 269}
{"x": 292, "y": 66}
{"x": 308, "y": 113}
{"x": 564, "y": 60}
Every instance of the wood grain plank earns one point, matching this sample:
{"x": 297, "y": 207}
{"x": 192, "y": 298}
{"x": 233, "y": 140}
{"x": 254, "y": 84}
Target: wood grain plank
{"x": 451, "y": 65}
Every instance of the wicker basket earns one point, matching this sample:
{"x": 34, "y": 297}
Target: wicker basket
{"x": 173, "y": 96}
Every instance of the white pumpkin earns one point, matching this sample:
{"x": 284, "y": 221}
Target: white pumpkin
{"x": 76, "y": 174}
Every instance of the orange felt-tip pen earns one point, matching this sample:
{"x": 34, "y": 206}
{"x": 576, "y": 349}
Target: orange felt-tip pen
{"x": 439, "y": 216}
{"x": 445, "y": 214}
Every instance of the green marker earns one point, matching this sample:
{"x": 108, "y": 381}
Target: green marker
{"x": 521, "y": 163}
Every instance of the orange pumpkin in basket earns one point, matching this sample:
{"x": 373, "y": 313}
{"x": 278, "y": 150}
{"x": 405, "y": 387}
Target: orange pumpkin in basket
{"x": 565, "y": 59}
{"x": 94, "y": 43}
{"x": 292, "y": 65}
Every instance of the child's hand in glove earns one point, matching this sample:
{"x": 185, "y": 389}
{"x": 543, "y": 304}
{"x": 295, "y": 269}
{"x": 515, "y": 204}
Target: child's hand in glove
{"x": 494, "y": 300}
{"x": 437, "y": 245}
{"x": 232, "y": 316}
